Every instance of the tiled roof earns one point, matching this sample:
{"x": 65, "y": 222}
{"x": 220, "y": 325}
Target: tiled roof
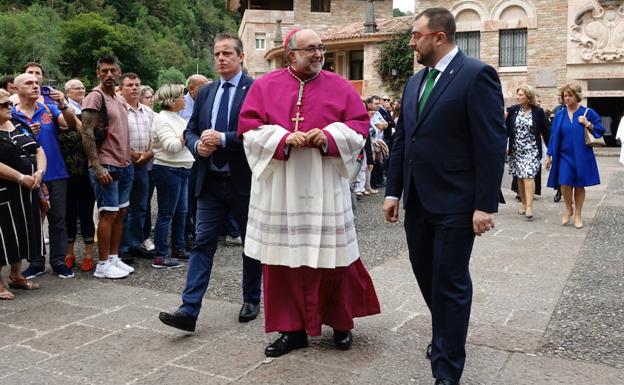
{"x": 356, "y": 30}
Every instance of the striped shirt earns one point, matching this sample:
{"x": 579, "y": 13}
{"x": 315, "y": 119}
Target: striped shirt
{"x": 140, "y": 124}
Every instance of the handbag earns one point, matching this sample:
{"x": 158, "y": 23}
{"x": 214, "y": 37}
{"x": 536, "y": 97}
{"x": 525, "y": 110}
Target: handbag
{"x": 590, "y": 139}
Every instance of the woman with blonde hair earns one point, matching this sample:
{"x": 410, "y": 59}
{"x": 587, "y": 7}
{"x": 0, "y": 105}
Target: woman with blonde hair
{"x": 526, "y": 125}
{"x": 171, "y": 171}
{"x": 573, "y": 162}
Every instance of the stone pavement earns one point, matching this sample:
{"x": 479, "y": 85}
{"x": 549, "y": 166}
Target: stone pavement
{"x": 547, "y": 310}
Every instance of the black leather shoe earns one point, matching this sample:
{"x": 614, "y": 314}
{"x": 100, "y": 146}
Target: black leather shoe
{"x": 446, "y": 382}
{"x": 343, "y": 340}
{"x": 248, "y": 312}
{"x": 286, "y": 343}
{"x": 428, "y": 353}
{"x": 181, "y": 255}
{"x": 128, "y": 258}
{"x": 179, "y": 320}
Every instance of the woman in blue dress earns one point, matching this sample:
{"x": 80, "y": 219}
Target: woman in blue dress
{"x": 573, "y": 163}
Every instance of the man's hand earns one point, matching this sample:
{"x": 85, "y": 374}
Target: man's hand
{"x": 35, "y": 128}
{"x": 143, "y": 158}
{"x": 369, "y": 167}
{"x": 102, "y": 175}
{"x": 296, "y": 139}
{"x": 211, "y": 138}
{"x": 205, "y": 150}
{"x": 317, "y": 137}
{"x": 134, "y": 156}
{"x": 391, "y": 210}
{"x": 57, "y": 96}
{"x": 482, "y": 222}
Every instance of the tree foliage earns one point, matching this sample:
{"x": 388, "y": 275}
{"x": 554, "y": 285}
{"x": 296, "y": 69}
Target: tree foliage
{"x": 396, "y": 56}
{"x": 148, "y": 36}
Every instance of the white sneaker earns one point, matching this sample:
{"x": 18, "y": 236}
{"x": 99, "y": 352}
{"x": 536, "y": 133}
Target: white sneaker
{"x": 118, "y": 263}
{"x": 108, "y": 270}
{"x": 148, "y": 245}
{"x": 229, "y": 240}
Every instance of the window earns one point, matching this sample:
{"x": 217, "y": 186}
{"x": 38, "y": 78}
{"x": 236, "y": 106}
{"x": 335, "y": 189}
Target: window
{"x": 261, "y": 41}
{"x": 469, "y": 43}
{"x": 320, "y": 6}
{"x": 356, "y": 65}
{"x": 513, "y": 48}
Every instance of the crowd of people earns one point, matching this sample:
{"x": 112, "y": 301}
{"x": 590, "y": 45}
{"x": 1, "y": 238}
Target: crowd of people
{"x": 226, "y": 162}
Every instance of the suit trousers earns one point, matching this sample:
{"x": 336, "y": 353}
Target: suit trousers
{"x": 218, "y": 198}
{"x": 439, "y": 250}
{"x": 56, "y": 220}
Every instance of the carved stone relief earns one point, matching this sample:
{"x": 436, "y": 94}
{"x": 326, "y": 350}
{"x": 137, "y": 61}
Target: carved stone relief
{"x": 599, "y": 29}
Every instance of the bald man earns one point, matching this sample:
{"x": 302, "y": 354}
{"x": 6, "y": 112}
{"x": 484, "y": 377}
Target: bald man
{"x": 194, "y": 83}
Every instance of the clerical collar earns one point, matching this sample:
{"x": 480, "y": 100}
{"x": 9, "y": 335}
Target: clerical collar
{"x": 301, "y": 76}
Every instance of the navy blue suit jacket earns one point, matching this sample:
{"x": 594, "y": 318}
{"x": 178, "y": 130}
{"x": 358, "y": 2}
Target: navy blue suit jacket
{"x": 201, "y": 120}
{"x": 453, "y": 152}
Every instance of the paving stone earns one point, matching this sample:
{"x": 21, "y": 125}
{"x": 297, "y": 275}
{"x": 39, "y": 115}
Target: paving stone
{"x": 35, "y": 376}
{"x": 176, "y": 375}
{"x": 12, "y": 335}
{"x": 228, "y": 357}
{"x": 121, "y": 317}
{"x": 504, "y": 338}
{"x": 529, "y": 370}
{"x": 15, "y": 358}
{"x": 288, "y": 370}
{"x": 49, "y": 315}
{"x": 66, "y": 339}
{"x": 122, "y": 357}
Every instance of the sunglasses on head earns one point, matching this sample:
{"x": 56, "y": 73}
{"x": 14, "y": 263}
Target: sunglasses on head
{"x": 6, "y": 105}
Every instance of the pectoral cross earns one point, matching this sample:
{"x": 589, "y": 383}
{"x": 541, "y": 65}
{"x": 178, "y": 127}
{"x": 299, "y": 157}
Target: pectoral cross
{"x": 297, "y": 119}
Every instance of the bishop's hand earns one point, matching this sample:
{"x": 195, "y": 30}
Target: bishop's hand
{"x": 317, "y": 137}
{"x": 296, "y": 139}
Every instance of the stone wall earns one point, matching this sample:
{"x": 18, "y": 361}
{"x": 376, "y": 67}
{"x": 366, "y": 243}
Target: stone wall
{"x": 342, "y": 12}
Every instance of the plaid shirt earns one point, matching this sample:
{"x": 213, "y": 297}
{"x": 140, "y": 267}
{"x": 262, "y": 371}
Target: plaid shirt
{"x": 140, "y": 123}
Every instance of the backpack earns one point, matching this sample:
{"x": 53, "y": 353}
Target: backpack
{"x": 101, "y": 134}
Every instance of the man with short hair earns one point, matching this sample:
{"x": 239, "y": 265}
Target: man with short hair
{"x": 111, "y": 170}
{"x": 45, "y": 122}
{"x": 7, "y": 83}
{"x": 302, "y": 151}
{"x": 75, "y": 92}
{"x": 223, "y": 182}
{"x": 140, "y": 119}
{"x": 193, "y": 84}
{"x": 447, "y": 161}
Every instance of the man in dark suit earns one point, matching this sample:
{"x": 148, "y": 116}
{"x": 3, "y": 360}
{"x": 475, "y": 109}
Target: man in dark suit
{"x": 223, "y": 182}
{"x": 447, "y": 161}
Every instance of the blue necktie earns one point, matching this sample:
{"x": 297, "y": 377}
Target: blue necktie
{"x": 218, "y": 157}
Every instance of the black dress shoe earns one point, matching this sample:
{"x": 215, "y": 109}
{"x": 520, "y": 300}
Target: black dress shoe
{"x": 248, "y": 312}
{"x": 181, "y": 255}
{"x": 179, "y": 320}
{"x": 446, "y": 382}
{"x": 287, "y": 342}
{"x": 428, "y": 353}
{"x": 343, "y": 340}
{"x": 128, "y": 258}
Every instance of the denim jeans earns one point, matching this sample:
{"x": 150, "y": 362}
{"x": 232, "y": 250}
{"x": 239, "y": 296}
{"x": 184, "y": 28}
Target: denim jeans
{"x": 137, "y": 212}
{"x": 172, "y": 197}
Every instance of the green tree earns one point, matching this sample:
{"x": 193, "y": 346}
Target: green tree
{"x": 396, "y": 62}
{"x": 32, "y": 34}
{"x": 170, "y": 75}
{"x": 396, "y": 12}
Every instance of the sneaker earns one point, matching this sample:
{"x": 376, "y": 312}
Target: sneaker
{"x": 62, "y": 271}
{"x": 86, "y": 264}
{"x": 108, "y": 270}
{"x": 148, "y": 245}
{"x": 118, "y": 263}
{"x": 234, "y": 241}
{"x": 69, "y": 261}
{"x": 166, "y": 263}
{"x": 33, "y": 271}
{"x": 181, "y": 255}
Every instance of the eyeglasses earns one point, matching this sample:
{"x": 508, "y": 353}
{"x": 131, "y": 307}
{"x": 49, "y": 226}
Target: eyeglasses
{"x": 386, "y": 100}
{"x": 6, "y": 105}
{"x": 320, "y": 49}
{"x": 418, "y": 35}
